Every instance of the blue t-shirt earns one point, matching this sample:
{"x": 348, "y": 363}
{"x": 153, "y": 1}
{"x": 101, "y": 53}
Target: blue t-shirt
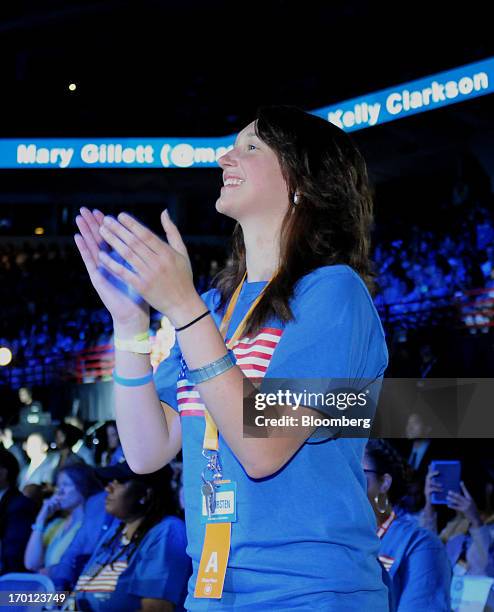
{"x": 96, "y": 522}
{"x": 159, "y": 569}
{"x": 304, "y": 537}
{"x": 418, "y": 566}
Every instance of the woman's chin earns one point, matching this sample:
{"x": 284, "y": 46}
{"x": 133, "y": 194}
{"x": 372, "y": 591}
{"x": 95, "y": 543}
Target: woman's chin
{"x": 224, "y": 207}
{"x": 232, "y": 206}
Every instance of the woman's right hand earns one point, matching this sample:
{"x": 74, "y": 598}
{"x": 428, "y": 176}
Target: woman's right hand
{"x": 49, "y": 507}
{"x": 124, "y": 309}
{"x": 431, "y": 486}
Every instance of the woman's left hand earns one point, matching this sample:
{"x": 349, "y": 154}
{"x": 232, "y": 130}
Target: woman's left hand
{"x": 464, "y": 503}
{"x": 162, "y": 272}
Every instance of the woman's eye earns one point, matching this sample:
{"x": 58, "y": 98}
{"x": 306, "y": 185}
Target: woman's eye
{"x": 251, "y": 146}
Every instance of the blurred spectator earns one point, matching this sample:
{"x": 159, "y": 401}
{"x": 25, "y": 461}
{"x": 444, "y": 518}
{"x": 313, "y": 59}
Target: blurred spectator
{"x": 415, "y": 559}
{"x": 140, "y": 563}
{"x": 7, "y": 441}
{"x": 37, "y": 494}
{"x": 419, "y": 450}
{"x": 425, "y": 271}
{"x": 66, "y": 436}
{"x": 30, "y": 410}
{"x": 428, "y": 362}
{"x": 17, "y": 513}
{"x": 42, "y": 465}
{"x": 96, "y": 522}
{"x": 80, "y": 448}
{"x": 60, "y": 517}
{"x": 114, "y": 453}
{"x": 469, "y": 541}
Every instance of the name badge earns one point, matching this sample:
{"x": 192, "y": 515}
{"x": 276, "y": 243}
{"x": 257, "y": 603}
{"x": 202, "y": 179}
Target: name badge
{"x": 225, "y": 507}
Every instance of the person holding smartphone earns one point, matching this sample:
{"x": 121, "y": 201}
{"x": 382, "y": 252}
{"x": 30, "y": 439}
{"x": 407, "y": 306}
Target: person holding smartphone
{"x": 468, "y": 540}
{"x": 273, "y": 522}
{"x": 415, "y": 558}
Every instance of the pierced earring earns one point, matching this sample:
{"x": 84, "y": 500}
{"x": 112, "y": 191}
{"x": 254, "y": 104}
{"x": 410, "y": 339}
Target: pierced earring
{"x": 295, "y": 199}
{"x": 379, "y": 508}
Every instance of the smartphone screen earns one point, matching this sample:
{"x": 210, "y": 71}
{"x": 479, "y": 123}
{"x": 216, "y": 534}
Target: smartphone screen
{"x": 448, "y": 478}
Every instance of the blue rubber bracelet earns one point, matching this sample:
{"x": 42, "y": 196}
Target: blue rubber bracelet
{"x": 133, "y": 382}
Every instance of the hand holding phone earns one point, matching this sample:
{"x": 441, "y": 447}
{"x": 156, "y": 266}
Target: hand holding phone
{"x": 466, "y": 504}
{"x": 446, "y": 478}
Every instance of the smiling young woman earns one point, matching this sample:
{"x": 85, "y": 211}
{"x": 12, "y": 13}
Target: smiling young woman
{"x": 273, "y": 522}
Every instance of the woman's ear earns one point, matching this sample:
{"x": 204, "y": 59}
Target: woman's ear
{"x": 386, "y": 482}
{"x": 147, "y": 498}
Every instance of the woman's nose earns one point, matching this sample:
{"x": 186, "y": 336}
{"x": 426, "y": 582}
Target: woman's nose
{"x": 227, "y": 160}
{"x": 109, "y": 486}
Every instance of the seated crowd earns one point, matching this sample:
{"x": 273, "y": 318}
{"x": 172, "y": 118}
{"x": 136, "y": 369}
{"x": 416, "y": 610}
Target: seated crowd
{"x": 423, "y": 269}
{"x": 116, "y": 540}
{"x": 429, "y": 270}
{"x": 112, "y": 538}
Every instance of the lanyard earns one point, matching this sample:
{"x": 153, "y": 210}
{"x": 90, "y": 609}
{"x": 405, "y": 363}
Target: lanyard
{"x": 217, "y": 535}
{"x": 386, "y": 525}
{"x": 211, "y": 432}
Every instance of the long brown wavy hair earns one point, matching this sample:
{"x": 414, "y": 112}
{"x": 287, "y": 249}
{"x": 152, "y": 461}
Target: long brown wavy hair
{"x": 331, "y": 222}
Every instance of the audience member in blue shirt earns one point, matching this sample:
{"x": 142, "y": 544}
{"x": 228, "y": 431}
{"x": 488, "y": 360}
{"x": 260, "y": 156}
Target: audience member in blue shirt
{"x": 17, "y": 513}
{"x": 95, "y": 524}
{"x": 114, "y": 453}
{"x": 305, "y": 536}
{"x": 415, "y": 558}
{"x": 140, "y": 562}
{"x": 467, "y": 536}
{"x": 60, "y": 517}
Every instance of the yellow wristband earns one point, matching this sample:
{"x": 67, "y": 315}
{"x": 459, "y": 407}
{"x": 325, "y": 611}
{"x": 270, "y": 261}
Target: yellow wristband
{"x": 138, "y": 344}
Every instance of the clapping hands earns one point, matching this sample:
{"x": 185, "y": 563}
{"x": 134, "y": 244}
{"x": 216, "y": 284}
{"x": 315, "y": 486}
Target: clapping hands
{"x": 159, "y": 272}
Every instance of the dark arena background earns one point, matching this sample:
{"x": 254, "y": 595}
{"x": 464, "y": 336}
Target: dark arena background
{"x": 126, "y": 106}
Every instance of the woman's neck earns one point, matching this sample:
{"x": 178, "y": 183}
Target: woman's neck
{"x": 75, "y": 515}
{"x": 37, "y": 461}
{"x": 261, "y": 252}
{"x": 131, "y": 526}
{"x": 382, "y": 517}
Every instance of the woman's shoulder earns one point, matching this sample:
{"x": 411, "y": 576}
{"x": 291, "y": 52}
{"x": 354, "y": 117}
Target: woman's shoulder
{"x": 408, "y": 530}
{"x": 336, "y": 274}
{"x": 339, "y": 277}
{"x": 211, "y": 297}
{"x": 169, "y": 526}
{"x": 166, "y": 536}
{"x": 339, "y": 289}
